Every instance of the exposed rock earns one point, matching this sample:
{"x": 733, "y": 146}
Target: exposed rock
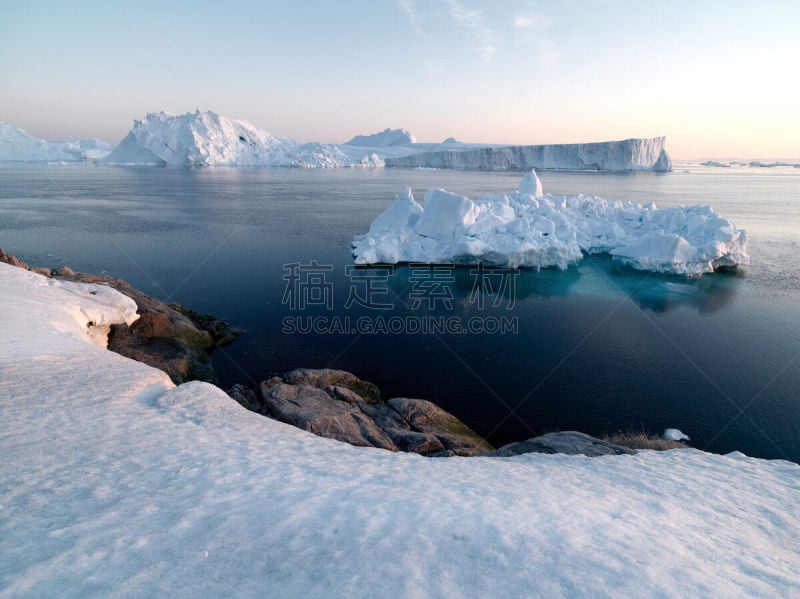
{"x": 328, "y": 377}
{"x": 161, "y": 337}
{"x": 427, "y": 417}
{"x": 12, "y": 260}
{"x": 245, "y": 396}
{"x": 338, "y": 405}
{"x": 312, "y": 409}
{"x": 568, "y": 442}
{"x": 63, "y": 271}
{"x": 42, "y": 271}
{"x": 221, "y": 332}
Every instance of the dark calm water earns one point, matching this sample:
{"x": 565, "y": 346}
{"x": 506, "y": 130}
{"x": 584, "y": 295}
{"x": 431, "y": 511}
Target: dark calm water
{"x": 599, "y": 348}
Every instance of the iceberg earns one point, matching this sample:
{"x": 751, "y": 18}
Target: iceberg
{"x": 385, "y": 139}
{"x": 526, "y": 228}
{"x": 89, "y": 148}
{"x": 209, "y": 139}
{"x": 626, "y": 155}
{"x": 18, "y": 145}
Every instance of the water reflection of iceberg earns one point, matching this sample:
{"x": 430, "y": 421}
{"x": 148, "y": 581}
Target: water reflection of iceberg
{"x": 459, "y": 287}
{"x": 663, "y": 293}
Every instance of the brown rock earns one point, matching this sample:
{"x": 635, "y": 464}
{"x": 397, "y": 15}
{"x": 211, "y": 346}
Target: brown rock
{"x": 311, "y": 409}
{"x": 427, "y": 417}
{"x": 12, "y": 260}
{"x": 328, "y": 377}
{"x": 161, "y": 337}
{"x": 330, "y": 403}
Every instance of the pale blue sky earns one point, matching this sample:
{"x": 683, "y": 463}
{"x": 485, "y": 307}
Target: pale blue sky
{"x": 718, "y": 78}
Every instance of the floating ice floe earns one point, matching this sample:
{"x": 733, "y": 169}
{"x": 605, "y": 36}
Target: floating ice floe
{"x": 526, "y": 228}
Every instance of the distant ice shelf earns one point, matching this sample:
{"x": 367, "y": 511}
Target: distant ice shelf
{"x": 526, "y": 228}
{"x": 626, "y": 155}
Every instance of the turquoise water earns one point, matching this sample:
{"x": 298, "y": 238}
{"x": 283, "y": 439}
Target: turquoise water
{"x": 598, "y": 347}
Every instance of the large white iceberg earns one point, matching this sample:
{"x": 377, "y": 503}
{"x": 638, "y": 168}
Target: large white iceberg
{"x": 626, "y": 155}
{"x": 525, "y": 228}
{"x": 209, "y": 139}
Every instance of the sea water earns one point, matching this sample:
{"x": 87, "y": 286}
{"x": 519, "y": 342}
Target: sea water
{"x": 598, "y": 347}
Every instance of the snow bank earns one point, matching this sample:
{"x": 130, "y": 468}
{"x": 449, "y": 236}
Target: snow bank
{"x": 527, "y": 229}
{"x": 115, "y": 483}
{"x": 626, "y": 155}
{"x": 384, "y": 139}
{"x": 19, "y": 145}
{"x": 209, "y": 139}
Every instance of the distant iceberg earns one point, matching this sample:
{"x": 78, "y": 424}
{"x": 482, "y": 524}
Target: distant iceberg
{"x": 626, "y": 155}
{"x": 85, "y": 149}
{"x": 385, "y": 139}
{"x": 209, "y": 139}
{"x": 526, "y": 228}
{"x": 17, "y": 145}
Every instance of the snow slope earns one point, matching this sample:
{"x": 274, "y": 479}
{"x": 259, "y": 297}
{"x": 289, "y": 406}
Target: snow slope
{"x": 208, "y": 139}
{"x": 383, "y": 139}
{"x": 527, "y": 228}
{"x": 626, "y": 155}
{"x": 19, "y": 145}
{"x": 114, "y": 483}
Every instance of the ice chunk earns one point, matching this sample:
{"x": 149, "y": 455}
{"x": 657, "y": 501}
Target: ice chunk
{"x": 446, "y": 215}
{"x": 404, "y": 212}
{"x": 674, "y": 434}
{"x": 531, "y": 185}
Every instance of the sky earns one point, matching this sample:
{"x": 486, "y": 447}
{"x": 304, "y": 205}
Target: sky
{"x": 718, "y": 78}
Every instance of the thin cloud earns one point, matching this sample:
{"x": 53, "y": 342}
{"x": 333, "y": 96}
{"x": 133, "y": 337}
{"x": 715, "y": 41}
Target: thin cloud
{"x": 533, "y": 29}
{"x": 472, "y": 20}
{"x": 410, "y": 10}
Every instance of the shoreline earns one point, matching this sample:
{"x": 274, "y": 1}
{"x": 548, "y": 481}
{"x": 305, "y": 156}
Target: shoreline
{"x": 330, "y": 403}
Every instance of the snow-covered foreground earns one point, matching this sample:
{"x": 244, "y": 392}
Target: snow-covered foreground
{"x": 115, "y": 483}
{"x": 527, "y": 228}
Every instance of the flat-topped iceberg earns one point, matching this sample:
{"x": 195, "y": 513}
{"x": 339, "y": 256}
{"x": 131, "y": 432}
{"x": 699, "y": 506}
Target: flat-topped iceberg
{"x": 618, "y": 156}
{"x": 526, "y": 228}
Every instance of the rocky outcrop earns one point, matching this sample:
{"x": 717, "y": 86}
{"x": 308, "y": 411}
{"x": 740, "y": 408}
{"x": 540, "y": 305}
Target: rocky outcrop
{"x": 165, "y": 336}
{"x": 338, "y": 405}
{"x": 567, "y": 442}
{"x": 169, "y": 337}
{"x": 12, "y": 260}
